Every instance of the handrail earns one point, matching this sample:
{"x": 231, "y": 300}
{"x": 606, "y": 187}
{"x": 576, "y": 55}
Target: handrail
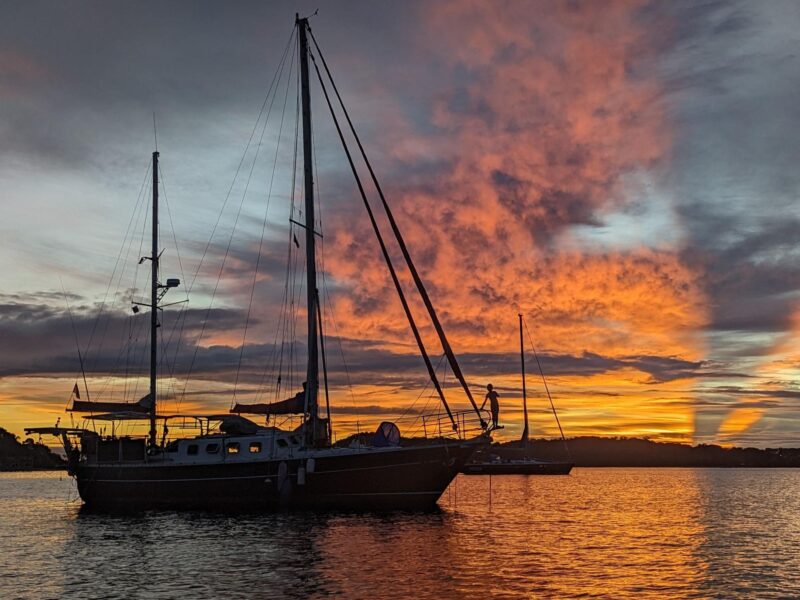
{"x": 426, "y": 425}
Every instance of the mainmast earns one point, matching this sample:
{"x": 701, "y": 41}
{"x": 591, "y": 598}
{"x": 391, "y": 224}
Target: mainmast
{"x": 524, "y": 387}
{"x": 312, "y": 374}
{"x": 154, "y": 306}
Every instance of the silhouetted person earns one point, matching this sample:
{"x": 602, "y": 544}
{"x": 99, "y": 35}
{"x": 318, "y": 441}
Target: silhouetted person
{"x": 492, "y": 397}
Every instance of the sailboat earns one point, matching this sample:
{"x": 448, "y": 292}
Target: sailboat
{"x": 237, "y": 463}
{"x": 510, "y": 460}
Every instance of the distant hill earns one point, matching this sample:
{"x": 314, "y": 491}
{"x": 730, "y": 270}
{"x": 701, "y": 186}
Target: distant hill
{"x": 636, "y": 452}
{"x": 27, "y": 455}
{"x": 585, "y": 452}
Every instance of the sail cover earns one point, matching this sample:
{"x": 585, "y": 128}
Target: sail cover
{"x": 84, "y": 406}
{"x": 142, "y": 406}
{"x": 291, "y": 406}
{"x": 96, "y": 407}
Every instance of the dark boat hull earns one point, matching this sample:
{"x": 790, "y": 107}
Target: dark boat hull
{"x": 517, "y": 468}
{"x": 408, "y": 478}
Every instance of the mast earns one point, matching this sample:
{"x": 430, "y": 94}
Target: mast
{"x": 154, "y": 306}
{"x": 524, "y": 388}
{"x": 312, "y": 374}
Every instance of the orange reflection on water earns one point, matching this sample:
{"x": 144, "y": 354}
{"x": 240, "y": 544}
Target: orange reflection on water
{"x": 631, "y": 533}
{"x": 610, "y": 533}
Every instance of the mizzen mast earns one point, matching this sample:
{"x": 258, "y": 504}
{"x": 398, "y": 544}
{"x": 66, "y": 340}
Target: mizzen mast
{"x": 154, "y": 307}
{"x": 157, "y": 291}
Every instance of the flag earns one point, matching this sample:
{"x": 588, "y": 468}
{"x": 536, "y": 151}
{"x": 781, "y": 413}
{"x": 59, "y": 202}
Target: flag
{"x": 76, "y": 392}
{"x": 296, "y": 243}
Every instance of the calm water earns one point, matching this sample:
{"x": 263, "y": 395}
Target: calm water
{"x": 660, "y": 533}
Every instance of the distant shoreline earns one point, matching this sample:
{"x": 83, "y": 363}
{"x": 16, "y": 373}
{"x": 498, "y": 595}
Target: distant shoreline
{"x": 586, "y": 451}
{"x": 637, "y": 452}
{"x": 16, "y": 456}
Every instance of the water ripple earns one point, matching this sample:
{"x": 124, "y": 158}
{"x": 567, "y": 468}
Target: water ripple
{"x": 599, "y": 533}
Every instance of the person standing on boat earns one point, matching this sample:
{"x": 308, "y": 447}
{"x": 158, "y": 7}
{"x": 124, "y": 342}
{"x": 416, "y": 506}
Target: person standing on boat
{"x": 492, "y": 397}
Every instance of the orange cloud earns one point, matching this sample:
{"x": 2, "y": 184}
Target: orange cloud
{"x": 543, "y": 119}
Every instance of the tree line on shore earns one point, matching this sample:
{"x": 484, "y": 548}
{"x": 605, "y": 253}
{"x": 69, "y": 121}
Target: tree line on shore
{"x": 591, "y": 451}
{"x": 28, "y": 455}
{"x": 586, "y": 451}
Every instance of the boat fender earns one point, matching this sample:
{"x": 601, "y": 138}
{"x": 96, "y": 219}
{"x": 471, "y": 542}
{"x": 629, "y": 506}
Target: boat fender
{"x": 301, "y": 476}
{"x": 283, "y": 472}
{"x": 310, "y": 464}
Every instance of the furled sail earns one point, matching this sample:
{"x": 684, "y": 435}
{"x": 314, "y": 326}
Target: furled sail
{"x": 291, "y": 406}
{"x": 84, "y": 406}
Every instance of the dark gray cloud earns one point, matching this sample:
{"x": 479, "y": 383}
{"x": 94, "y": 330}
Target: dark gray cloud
{"x": 40, "y": 341}
{"x": 732, "y": 78}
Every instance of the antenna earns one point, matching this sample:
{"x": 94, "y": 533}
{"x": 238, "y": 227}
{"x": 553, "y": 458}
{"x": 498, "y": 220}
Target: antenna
{"x": 155, "y": 131}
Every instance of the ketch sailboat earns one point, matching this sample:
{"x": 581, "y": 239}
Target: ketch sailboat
{"x": 510, "y": 460}
{"x": 238, "y": 463}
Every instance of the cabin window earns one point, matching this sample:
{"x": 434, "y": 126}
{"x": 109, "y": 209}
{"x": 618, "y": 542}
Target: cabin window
{"x": 191, "y": 449}
{"x": 212, "y": 448}
{"x": 232, "y": 448}
{"x": 282, "y": 443}
{"x": 255, "y": 447}
{"x": 293, "y": 440}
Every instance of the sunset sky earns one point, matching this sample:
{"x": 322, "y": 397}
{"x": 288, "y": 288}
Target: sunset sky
{"x": 623, "y": 173}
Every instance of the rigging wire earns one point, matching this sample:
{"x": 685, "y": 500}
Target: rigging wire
{"x": 399, "y": 238}
{"x": 320, "y": 308}
{"x": 264, "y": 222}
{"x": 101, "y": 309}
{"x": 419, "y": 422}
{"x": 384, "y": 250}
{"x": 546, "y": 388}
{"x": 241, "y": 161}
{"x": 129, "y": 238}
{"x": 141, "y": 347}
{"x": 233, "y": 230}
{"x": 181, "y": 317}
{"x": 326, "y": 296}
{"x": 275, "y": 365}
